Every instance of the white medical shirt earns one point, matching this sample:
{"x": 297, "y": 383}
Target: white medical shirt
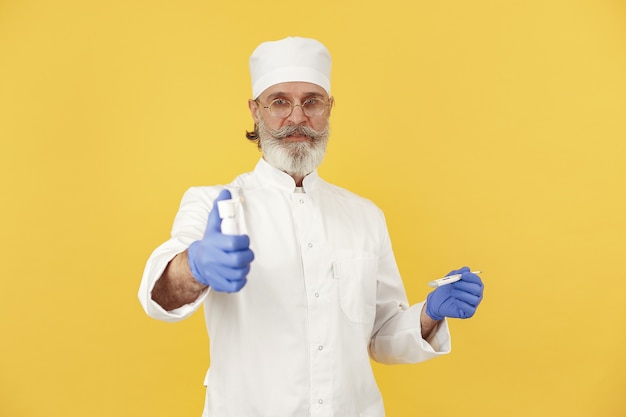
{"x": 323, "y": 295}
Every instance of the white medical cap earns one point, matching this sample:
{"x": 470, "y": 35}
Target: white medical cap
{"x": 289, "y": 59}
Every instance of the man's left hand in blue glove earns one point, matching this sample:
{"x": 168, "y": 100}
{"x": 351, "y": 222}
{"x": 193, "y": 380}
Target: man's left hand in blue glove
{"x": 457, "y": 300}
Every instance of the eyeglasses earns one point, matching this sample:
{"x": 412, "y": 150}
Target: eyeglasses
{"x": 282, "y": 108}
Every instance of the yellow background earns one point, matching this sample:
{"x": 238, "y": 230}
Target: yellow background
{"x": 492, "y": 133}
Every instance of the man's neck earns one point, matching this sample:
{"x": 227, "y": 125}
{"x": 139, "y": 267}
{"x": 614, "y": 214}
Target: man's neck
{"x": 298, "y": 179}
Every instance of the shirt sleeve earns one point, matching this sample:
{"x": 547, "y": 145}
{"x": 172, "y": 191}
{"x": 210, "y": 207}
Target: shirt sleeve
{"x": 397, "y": 333}
{"x": 189, "y": 226}
{"x": 400, "y": 339}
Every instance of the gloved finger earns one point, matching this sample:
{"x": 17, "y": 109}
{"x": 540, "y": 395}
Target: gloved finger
{"x": 235, "y": 286}
{"x": 223, "y": 285}
{"x": 214, "y": 221}
{"x": 458, "y": 309}
{"x": 220, "y": 277}
{"x": 231, "y": 243}
{"x": 238, "y": 259}
{"x": 205, "y": 255}
{"x": 470, "y": 285}
{"x": 466, "y": 310}
{"x": 466, "y": 297}
{"x": 215, "y": 255}
{"x": 231, "y": 274}
{"x": 469, "y": 277}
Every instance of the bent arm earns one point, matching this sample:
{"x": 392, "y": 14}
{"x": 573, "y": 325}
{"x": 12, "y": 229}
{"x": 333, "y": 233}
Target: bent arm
{"x": 401, "y": 339}
{"x": 177, "y": 286}
{"x": 402, "y": 333}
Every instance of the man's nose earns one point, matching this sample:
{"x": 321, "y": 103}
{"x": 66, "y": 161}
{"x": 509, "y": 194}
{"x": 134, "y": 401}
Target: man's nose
{"x": 297, "y": 115}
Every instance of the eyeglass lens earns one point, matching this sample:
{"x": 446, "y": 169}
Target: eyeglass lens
{"x": 283, "y": 108}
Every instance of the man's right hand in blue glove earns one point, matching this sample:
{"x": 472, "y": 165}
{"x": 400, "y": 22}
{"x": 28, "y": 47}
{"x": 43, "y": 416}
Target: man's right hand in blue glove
{"x": 220, "y": 261}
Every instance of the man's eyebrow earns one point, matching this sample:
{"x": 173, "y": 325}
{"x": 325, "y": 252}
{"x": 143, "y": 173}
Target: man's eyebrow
{"x": 280, "y": 94}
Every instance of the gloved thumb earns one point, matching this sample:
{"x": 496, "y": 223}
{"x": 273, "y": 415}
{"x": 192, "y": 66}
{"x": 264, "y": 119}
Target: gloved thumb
{"x": 214, "y": 222}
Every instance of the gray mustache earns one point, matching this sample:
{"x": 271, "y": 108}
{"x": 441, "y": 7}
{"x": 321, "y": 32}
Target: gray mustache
{"x": 290, "y": 130}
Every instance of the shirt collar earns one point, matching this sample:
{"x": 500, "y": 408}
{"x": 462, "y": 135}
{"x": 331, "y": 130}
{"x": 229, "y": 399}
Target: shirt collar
{"x": 272, "y": 176}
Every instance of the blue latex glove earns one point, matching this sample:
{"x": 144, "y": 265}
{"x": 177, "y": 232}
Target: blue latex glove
{"x": 220, "y": 261}
{"x": 458, "y": 300}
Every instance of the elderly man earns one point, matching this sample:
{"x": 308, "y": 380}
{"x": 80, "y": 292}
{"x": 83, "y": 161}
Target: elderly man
{"x": 305, "y": 288}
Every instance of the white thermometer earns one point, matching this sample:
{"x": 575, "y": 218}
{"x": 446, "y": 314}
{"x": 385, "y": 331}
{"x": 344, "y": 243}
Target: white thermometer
{"x": 448, "y": 280}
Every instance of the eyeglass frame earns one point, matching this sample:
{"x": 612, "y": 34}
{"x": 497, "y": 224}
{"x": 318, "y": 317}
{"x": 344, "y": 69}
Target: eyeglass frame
{"x": 329, "y": 104}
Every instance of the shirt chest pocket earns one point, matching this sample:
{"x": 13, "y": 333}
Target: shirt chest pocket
{"x": 356, "y": 276}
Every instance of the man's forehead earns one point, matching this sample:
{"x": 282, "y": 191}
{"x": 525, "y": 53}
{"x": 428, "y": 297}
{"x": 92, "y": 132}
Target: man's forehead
{"x": 294, "y": 89}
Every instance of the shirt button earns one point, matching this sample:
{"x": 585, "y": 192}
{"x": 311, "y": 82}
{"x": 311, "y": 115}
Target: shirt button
{"x": 320, "y": 401}
{"x": 317, "y": 295}
{"x": 310, "y": 245}
{"x": 301, "y": 201}
{"x": 320, "y": 347}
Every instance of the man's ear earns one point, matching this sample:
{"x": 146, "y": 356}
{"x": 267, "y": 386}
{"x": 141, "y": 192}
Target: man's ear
{"x": 254, "y": 110}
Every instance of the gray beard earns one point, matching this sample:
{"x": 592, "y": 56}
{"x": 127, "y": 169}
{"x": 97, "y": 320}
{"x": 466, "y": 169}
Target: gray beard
{"x": 297, "y": 159}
